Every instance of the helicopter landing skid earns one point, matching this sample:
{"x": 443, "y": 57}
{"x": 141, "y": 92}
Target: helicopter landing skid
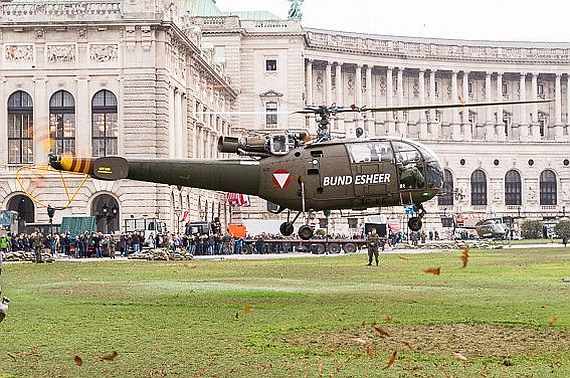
{"x": 415, "y": 223}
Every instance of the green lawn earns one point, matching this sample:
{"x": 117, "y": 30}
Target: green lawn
{"x": 309, "y": 317}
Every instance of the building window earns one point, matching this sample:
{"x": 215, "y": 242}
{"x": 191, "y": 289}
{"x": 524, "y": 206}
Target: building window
{"x": 272, "y": 207}
{"x": 540, "y": 90}
{"x": 20, "y": 129}
{"x": 505, "y": 89}
{"x": 271, "y": 65}
{"x": 470, "y": 89}
{"x": 271, "y": 114}
{"x": 542, "y": 123}
{"x": 446, "y": 196}
{"x": 105, "y": 124}
{"x": 548, "y": 188}
{"x": 513, "y": 188}
{"x": 62, "y": 123}
{"x": 478, "y": 188}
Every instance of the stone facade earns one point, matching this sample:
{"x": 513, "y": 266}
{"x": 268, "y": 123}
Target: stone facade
{"x": 166, "y": 88}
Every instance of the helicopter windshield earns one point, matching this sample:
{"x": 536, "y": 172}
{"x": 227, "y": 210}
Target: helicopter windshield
{"x": 410, "y": 165}
{"x": 370, "y": 152}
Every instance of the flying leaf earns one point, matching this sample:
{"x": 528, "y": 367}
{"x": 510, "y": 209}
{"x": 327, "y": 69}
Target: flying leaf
{"x": 363, "y": 323}
{"x": 461, "y": 100}
{"x": 237, "y": 315}
{"x": 465, "y": 257}
{"x": 78, "y": 361}
{"x": 459, "y": 357}
{"x": 109, "y": 357}
{"x": 403, "y": 258}
{"x": 392, "y": 359}
{"x": 552, "y": 321}
{"x": 11, "y": 356}
{"x": 433, "y": 270}
{"x": 387, "y": 318}
{"x": 281, "y": 275}
{"x": 409, "y": 345}
{"x": 379, "y": 330}
{"x": 370, "y": 350}
{"x": 248, "y": 309}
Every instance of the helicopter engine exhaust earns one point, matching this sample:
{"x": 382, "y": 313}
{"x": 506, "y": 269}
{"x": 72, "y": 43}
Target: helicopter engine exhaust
{"x": 249, "y": 145}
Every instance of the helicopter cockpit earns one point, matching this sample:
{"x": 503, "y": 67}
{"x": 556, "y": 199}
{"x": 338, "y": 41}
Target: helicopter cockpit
{"x": 417, "y": 166}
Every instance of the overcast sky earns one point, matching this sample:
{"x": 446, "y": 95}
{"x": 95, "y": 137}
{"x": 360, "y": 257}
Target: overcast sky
{"x": 501, "y": 20}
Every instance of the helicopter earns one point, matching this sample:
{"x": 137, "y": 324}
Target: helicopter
{"x": 299, "y": 173}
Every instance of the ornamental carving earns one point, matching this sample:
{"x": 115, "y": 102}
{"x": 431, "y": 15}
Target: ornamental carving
{"x": 382, "y": 87}
{"x": 350, "y": 83}
{"x": 319, "y": 80}
{"x": 416, "y": 89}
{"x": 104, "y": 53}
{"x": 61, "y": 53}
{"x": 19, "y": 53}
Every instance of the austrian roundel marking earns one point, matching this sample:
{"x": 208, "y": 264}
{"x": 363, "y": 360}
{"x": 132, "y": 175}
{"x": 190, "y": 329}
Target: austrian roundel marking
{"x": 281, "y": 178}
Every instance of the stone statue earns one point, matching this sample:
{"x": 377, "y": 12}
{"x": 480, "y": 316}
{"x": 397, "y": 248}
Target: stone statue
{"x": 295, "y": 11}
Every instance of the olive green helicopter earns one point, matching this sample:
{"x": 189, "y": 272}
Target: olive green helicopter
{"x": 299, "y": 173}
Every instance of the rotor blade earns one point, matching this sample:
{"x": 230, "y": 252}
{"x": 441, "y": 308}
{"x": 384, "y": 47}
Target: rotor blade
{"x": 245, "y": 113}
{"x": 446, "y": 106}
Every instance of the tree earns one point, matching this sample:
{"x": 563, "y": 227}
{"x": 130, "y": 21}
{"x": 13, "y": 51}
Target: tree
{"x": 531, "y": 229}
{"x": 562, "y": 229}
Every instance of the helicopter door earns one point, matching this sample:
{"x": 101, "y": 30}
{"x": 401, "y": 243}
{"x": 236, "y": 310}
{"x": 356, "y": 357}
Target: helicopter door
{"x": 374, "y": 171}
{"x": 411, "y": 169}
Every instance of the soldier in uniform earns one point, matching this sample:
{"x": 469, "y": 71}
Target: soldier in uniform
{"x": 372, "y": 243}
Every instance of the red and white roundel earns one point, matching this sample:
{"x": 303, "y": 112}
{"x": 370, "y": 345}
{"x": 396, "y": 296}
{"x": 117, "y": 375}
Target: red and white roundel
{"x": 281, "y": 178}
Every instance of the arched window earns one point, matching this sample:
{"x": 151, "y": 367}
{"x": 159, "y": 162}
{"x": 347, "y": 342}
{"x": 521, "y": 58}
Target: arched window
{"x": 446, "y": 198}
{"x": 478, "y": 188}
{"x": 20, "y": 129}
{"x": 62, "y": 123}
{"x": 513, "y": 191}
{"x": 548, "y": 188}
{"x": 104, "y": 124}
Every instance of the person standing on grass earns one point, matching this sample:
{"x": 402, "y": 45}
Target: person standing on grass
{"x": 372, "y": 243}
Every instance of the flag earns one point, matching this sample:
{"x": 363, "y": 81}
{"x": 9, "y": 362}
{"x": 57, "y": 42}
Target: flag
{"x": 186, "y": 213}
{"x": 236, "y": 199}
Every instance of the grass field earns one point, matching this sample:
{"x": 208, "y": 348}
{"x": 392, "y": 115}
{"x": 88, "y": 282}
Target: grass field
{"x": 292, "y": 317}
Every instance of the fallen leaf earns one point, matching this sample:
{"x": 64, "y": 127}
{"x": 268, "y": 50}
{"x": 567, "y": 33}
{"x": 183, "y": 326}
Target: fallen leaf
{"x": 370, "y": 351}
{"x": 459, "y": 356}
{"x": 360, "y": 340}
{"x": 552, "y": 321}
{"x": 387, "y": 318}
{"x": 465, "y": 257}
{"x": 409, "y": 345}
{"x": 248, "y": 309}
{"x": 507, "y": 363}
{"x": 363, "y": 323}
{"x": 109, "y": 357}
{"x": 78, "y": 361}
{"x": 379, "y": 330}
{"x": 392, "y": 359}
{"x": 281, "y": 275}
{"x": 191, "y": 266}
{"x": 61, "y": 275}
{"x": 403, "y": 258}
{"x": 433, "y": 270}
{"x": 11, "y": 356}
{"x": 237, "y": 315}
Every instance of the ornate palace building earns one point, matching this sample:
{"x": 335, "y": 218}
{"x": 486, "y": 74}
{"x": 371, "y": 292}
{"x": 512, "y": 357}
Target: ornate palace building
{"x": 154, "y": 78}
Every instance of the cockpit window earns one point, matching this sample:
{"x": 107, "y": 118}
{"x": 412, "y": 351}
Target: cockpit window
{"x": 370, "y": 152}
{"x": 406, "y": 153}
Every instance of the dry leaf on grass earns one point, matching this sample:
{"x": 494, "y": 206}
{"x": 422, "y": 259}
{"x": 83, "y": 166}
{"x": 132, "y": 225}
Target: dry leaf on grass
{"x": 360, "y": 340}
{"x": 78, "y": 361}
{"x": 409, "y": 345}
{"x": 433, "y": 270}
{"x": 61, "y": 275}
{"x": 109, "y": 357}
{"x": 392, "y": 359}
{"x": 465, "y": 257}
{"x": 248, "y": 309}
{"x": 191, "y": 266}
{"x": 379, "y": 330}
{"x": 370, "y": 351}
{"x": 387, "y": 318}
{"x": 403, "y": 258}
{"x": 11, "y": 356}
{"x": 552, "y": 321}
{"x": 459, "y": 357}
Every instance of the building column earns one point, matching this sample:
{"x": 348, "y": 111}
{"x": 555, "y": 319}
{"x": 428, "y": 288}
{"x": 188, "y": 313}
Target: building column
{"x": 523, "y": 126}
{"x": 328, "y": 84}
{"x": 423, "y": 132}
{"x": 489, "y": 122}
{"x": 434, "y": 126}
{"x": 83, "y": 145}
{"x": 179, "y": 126}
{"x": 309, "y": 82}
{"x": 389, "y": 101}
{"x": 171, "y": 123}
{"x": 358, "y": 85}
{"x": 370, "y": 119}
{"x": 568, "y": 106}
{"x": 402, "y": 124}
{"x": 534, "y": 95}
{"x": 500, "y": 125}
{"x": 467, "y": 132}
{"x": 455, "y": 126}
{"x": 339, "y": 95}
{"x": 41, "y": 122}
{"x": 4, "y": 132}
{"x": 558, "y": 130}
